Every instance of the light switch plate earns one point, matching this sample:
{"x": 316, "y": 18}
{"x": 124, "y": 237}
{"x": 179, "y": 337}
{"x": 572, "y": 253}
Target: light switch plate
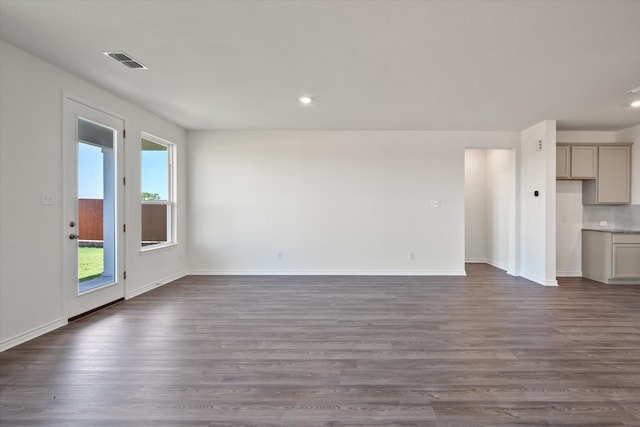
{"x": 434, "y": 203}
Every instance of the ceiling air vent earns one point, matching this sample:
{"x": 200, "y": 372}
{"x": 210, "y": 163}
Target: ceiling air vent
{"x": 125, "y": 59}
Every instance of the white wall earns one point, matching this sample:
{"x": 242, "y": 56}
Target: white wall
{"x": 474, "y": 201}
{"x": 537, "y": 224}
{"x": 632, "y": 134}
{"x": 30, "y": 163}
{"x": 598, "y": 137}
{"x": 569, "y": 228}
{"x": 500, "y": 194}
{"x": 331, "y": 202}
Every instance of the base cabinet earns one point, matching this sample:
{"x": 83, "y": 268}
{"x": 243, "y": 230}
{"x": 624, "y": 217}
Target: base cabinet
{"x": 626, "y": 256}
{"x": 610, "y": 257}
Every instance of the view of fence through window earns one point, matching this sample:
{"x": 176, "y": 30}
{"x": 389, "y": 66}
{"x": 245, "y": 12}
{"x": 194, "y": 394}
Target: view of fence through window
{"x": 96, "y": 203}
{"x": 156, "y": 194}
{"x": 90, "y": 211}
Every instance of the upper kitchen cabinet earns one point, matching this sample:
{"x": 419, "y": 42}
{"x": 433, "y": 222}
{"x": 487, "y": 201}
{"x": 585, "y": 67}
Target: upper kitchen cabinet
{"x": 563, "y": 161}
{"x": 576, "y": 161}
{"x": 612, "y": 185}
{"x": 584, "y": 162}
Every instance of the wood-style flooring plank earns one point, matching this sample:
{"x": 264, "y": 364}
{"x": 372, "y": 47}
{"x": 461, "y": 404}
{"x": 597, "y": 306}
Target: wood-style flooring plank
{"x": 477, "y": 351}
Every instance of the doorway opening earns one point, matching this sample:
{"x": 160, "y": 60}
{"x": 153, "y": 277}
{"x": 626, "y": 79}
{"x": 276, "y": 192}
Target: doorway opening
{"x": 490, "y": 208}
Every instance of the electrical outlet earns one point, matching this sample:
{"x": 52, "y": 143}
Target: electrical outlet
{"x": 412, "y": 255}
{"x": 46, "y": 199}
{"x": 603, "y": 223}
{"x": 280, "y": 255}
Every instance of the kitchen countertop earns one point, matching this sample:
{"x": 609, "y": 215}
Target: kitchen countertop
{"x": 614, "y": 230}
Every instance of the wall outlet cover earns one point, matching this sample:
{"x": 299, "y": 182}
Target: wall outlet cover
{"x": 46, "y": 199}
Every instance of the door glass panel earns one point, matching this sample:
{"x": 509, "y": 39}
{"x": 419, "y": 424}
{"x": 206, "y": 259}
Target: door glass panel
{"x": 96, "y": 206}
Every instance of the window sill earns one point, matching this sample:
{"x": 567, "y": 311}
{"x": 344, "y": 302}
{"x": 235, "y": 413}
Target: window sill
{"x": 153, "y": 248}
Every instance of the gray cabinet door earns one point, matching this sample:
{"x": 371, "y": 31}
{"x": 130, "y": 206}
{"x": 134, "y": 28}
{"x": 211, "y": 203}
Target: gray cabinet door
{"x": 626, "y": 261}
{"x": 563, "y": 155}
{"x": 584, "y": 162}
{"x": 614, "y": 175}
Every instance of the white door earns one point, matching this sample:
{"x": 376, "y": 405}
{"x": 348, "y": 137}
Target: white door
{"x": 93, "y": 240}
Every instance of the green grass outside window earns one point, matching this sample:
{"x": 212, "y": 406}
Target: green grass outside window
{"x": 90, "y": 263}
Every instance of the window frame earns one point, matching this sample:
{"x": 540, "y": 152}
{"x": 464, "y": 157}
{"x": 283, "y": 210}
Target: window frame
{"x": 170, "y": 203}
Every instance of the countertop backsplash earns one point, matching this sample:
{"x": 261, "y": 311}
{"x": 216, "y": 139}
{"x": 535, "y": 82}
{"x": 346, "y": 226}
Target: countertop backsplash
{"x": 623, "y": 217}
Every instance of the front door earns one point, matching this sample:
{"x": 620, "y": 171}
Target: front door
{"x": 93, "y": 213}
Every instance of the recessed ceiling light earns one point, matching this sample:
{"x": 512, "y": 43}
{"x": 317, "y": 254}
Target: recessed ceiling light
{"x": 635, "y": 104}
{"x": 305, "y": 100}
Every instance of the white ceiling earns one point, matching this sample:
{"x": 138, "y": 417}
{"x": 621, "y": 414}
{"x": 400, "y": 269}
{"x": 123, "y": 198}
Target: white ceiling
{"x": 414, "y": 65}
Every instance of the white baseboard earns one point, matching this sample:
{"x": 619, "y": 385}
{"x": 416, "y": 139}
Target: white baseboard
{"x": 495, "y": 264}
{"x": 539, "y": 280}
{"x": 328, "y": 272}
{"x": 31, "y": 334}
{"x": 150, "y": 286}
{"x": 569, "y": 274}
{"x": 48, "y": 327}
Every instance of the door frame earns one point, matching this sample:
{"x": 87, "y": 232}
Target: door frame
{"x": 75, "y": 304}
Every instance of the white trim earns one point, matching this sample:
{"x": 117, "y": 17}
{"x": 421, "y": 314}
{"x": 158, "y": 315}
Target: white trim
{"x": 31, "y": 334}
{"x": 71, "y": 96}
{"x": 150, "y": 286}
{"x": 216, "y": 272}
{"x": 569, "y": 273}
{"x": 155, "y": 202}
{"x": 72, "y": 106}
{"x": 156, "y": 139}
{"x": 475, "y": 260}
{"x": 502, "y": 267}
{"x": 540, "y": 280}
{"x": 150, "y": 248}
{"x": 172, "y": 201}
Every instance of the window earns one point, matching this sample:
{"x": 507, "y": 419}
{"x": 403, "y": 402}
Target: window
{"x": 157, "y": 196}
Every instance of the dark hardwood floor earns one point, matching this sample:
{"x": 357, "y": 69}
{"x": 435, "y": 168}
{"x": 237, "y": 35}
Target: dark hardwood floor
{"x": 485, "y": 350}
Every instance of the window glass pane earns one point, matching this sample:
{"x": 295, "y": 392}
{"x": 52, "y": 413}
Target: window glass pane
{"x": 96, "y": 206}
{"x": 90, "y": 168}
{"x": 155, "y": 171}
